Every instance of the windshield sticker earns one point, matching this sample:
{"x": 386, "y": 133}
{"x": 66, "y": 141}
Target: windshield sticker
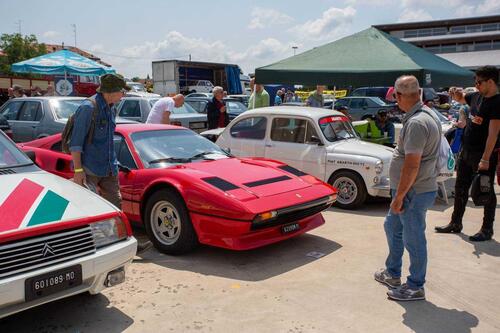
{"x": 332, "y": 119}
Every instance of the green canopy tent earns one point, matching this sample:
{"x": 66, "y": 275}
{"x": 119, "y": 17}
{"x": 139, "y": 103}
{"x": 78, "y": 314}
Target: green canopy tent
{"x": 367, "y": 58}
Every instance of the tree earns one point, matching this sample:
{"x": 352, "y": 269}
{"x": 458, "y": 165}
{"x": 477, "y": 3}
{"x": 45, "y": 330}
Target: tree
{"x": 136, "y": 79}
{"x": 18, "y": 48}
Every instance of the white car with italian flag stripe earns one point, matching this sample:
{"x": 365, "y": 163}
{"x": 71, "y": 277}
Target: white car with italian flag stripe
{"x": 57, "y": 239}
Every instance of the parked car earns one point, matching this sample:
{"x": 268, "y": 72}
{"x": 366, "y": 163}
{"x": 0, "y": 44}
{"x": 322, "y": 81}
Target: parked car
{"x": 5, "y": 127}
{"x": 233, "y": 106}
{"x": 363, "y": 107}
{"x": 186, "y": 190}
{"x": 202, "y": 86}
{"x": 316, "y": 141}
{"x": 138, "y": 108}
{"x": 37, "y": 117}
{"x": 57, "y": 239}
{"x": 207, "y": 95}
{"x": 243, "y": 98}
{"x": 380, "y": 92}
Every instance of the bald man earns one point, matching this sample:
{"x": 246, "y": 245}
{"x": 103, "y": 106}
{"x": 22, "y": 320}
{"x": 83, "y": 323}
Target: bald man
{"x": 160, "y": 112}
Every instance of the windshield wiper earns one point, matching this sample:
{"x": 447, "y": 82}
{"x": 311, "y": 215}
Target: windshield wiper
{"x": 170, "y": 160}
{"x": 202, "y": 154}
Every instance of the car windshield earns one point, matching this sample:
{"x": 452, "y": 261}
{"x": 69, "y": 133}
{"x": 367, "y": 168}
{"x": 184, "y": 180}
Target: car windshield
{"x": 378, "y": 101}
{"x": 186, "y": 108}
{"x": 162, "y": 148}
{"x": 336, "y": 128}
{"x": 136, "y": 86}
{"x": 235, "y": 107}
{"x": 10, "y": 156}
{"x": 65, "y": 108}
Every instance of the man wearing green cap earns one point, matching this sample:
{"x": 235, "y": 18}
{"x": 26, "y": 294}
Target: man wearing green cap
{"x": 94, "y": 159}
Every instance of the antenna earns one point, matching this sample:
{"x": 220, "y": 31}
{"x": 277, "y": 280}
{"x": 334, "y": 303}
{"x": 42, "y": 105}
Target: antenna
{"x": 74, "y": 32}
{"x": 294, "y": 49}
{"x": 19, "y": 25}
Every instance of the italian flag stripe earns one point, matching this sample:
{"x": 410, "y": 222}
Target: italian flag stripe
{"x": 18, "y": 204}
{"x": 51, "y": 208}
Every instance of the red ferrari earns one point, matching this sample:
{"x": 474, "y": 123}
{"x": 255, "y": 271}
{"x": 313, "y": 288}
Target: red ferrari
{"x": 186, "y": 190}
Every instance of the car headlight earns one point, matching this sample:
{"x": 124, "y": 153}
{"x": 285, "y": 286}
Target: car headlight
{"x": 379, "y": 167}
{"x": 265, "y": 216}
{"x": 108, "y": 231}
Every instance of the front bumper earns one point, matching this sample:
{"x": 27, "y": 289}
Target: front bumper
{"x": 238, "y": 235}
{"x": 95, "y": 269}
{"x": 381, "y": 189}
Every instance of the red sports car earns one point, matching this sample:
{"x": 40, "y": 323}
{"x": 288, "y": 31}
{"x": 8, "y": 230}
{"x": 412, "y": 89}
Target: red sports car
{"x": 186, "y": 190}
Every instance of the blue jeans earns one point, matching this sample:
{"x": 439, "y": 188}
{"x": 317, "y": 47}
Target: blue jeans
{"x": 407, "y": 230}
{"x": 388, "y": 128}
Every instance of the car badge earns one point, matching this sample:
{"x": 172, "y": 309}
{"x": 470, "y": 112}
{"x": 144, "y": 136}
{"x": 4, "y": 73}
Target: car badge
{"x": 298, "y": 195}
{"x": 47, "y": 250}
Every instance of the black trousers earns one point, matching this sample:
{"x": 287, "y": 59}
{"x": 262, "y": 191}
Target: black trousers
{"x": 467, "y": 163}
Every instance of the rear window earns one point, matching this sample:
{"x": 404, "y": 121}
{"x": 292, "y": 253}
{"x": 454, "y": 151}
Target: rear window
{"x": 10, "y": 156}
{"x": 65, "y": 108}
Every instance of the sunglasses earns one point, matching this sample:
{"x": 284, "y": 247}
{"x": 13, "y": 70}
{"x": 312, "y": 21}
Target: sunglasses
{"x": 479, "y": 82}
{"x": 396, "y": 93}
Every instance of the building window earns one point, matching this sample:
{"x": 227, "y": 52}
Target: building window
{"x": 410, "y": 33}
{"x": 473, "y": 28}
{"x": 448, "y": 48}
{"x": 433, "y": 48}
{"x": 439, "y": 31}
{"x": 482, "y": 46}
{"x": 424, "y": 32}
{"x": 458, "y": 30}
{"x": 490, "y": 27}
{"x": 496, "y": 45}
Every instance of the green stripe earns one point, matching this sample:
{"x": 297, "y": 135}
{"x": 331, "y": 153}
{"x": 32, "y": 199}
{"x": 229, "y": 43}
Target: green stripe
{"x": 50, "y": 209}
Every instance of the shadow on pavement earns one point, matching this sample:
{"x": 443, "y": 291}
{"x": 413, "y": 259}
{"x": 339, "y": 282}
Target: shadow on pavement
{"x": 376, "y": 207}
{"x": 67, "y": 315}
{"x": 425, "y": 317}
{"x": 253, "y": 265}
{"x": 491, "y": 247}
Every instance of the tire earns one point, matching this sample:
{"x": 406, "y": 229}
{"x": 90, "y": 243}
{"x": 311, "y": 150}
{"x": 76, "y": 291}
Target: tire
{"x": 350, "y": 197}
{"x": 174, "y": 235}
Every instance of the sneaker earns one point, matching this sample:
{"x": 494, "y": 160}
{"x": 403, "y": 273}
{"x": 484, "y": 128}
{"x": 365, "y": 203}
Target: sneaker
{"x": 405, "y": 293}
{"x": 144, "y": 246}
{"x": 384, "y": 277}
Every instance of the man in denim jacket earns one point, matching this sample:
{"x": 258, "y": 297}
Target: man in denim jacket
{"x": 94, "y": 161}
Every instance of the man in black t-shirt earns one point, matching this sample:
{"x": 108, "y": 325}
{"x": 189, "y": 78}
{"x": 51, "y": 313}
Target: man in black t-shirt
{"x": 480, "y": 141}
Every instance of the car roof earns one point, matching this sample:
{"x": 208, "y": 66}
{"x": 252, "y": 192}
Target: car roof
{"x": 306, "y": 111}
{"x": 46, "y": 98}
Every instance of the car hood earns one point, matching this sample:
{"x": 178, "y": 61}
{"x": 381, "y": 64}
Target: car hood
{"x": 252, "y": 177}
{"x": 37, "y": 198}
{"x": 363, "y": 148}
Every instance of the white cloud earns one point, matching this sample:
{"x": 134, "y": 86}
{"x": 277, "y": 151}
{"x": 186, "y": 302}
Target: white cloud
{"x": 414, "y": 15}
{"x": 488, "y": 7}
{"x": 136, "y": 60}
{"x": 97, "y": 48}
{"x": 333, "y": 23}
{"x": 266, "y": 17}
{"x": 51, "y": 34}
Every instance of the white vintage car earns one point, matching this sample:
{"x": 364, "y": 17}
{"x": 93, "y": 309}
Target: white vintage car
{"x": 316, "y": 141}
{"x": 57, "y": 239}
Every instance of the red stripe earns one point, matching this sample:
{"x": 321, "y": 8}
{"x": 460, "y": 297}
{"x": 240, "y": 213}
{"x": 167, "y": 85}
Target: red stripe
{"x": 18, "y": 203}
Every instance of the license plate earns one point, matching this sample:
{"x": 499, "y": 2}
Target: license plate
{"x": 290, "y": 228}
{"x": 199, "y": 125}
{"x": 53, "y": 282}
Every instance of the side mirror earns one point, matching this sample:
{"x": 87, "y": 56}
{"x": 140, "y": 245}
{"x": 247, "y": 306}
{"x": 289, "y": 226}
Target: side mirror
{"x": 315, "y": 140}
{"x": 31, "y": 155}
{"x": 123, "y": 168}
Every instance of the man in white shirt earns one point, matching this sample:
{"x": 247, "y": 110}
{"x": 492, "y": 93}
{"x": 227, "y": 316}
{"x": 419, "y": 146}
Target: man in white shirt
{"x": 160, "y": 112}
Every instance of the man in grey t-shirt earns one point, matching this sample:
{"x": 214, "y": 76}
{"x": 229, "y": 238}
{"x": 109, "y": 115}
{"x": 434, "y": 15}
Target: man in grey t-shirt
{"x": 413, "y": 172}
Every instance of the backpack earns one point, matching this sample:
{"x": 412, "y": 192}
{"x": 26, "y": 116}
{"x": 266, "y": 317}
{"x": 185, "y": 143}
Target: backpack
{"x": 445, "y": 164}
{"x": 68, "y": 128}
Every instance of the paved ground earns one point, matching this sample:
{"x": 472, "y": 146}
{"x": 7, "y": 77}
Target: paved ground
{"x": 281, "y": 289}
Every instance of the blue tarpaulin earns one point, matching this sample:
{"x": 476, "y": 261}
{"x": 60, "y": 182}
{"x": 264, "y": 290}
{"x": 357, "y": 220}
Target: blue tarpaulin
{"x": 233, "y": 80}
{"x": 63, "y": 62}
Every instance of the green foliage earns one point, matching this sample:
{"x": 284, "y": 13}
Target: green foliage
{"x": 18, "y": 48}
{"x": 136, "y": 79}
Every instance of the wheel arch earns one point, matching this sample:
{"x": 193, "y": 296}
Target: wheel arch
{"x": 348, "y": 170}
{"x": 163, "y": 185}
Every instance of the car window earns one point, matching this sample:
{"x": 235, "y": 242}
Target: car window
{"x": 186, "y": 108}
{"x": 310, "y": 132}
{"x": 357, "y": 103}
{"x": 10, "y": 110}
{"x": 31, "y": 111}
{"x": 10, "y": 156}
{"x": 250, "y": 128}
{"x": 123, "y": 154}
{"x": 130, "y": 108}
{"x": 235, "y": 107}
{"x": 65, "y": 108}
{"x": 57, "y": 147}
{"x": 198, "y": 105}
{"x": 288, "y": 130}
{"x": 376, "y": 101}
{"x": 160, "y": 148}
{"x": 336, "y": 128}
{"x": 359, "y": 92}
{"x": 342, "y": 102}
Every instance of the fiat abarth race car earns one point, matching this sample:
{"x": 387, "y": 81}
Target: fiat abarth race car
{"x": 186, "y": 190}
{"x": 57, "y": 239}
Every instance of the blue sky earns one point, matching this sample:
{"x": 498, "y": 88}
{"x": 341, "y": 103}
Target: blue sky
{"x": 252, "y": 33}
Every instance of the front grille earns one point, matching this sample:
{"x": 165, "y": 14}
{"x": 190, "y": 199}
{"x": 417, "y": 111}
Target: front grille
{"x": 295, "y": 213}
{"x": 26, "y": 255}
{"x": 6, "y": 171}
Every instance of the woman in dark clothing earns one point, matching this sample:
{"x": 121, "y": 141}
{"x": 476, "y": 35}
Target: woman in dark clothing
{"x": 216, "y": 110}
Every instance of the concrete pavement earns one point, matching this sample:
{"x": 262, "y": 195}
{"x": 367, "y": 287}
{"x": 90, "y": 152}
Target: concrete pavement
{"x": 284, "y": 288}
